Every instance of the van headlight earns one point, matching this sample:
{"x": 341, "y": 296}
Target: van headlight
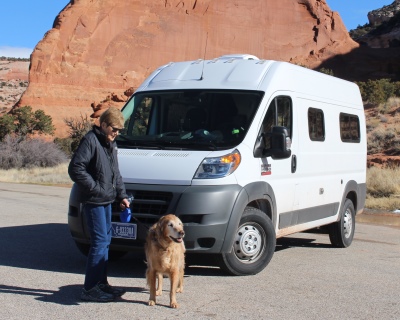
{"x": 218, "y": 167}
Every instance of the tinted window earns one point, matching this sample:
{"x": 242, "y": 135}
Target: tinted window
{"x": 349, "y": 128}
{"x": 279, "y": 114}
{"x": 316, "y": 125}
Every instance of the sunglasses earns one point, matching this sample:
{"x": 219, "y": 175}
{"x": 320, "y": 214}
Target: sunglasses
{"x": 115, "y": 129}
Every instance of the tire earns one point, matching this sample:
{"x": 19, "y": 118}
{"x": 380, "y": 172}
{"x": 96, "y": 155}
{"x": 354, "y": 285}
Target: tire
{"x": 341, "y": 233}
{"x": 255, "y": 227}
{"x": 113, "y": 255}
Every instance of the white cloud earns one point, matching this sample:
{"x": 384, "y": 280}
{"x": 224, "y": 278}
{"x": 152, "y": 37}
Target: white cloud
{"x": 15, "y": 52}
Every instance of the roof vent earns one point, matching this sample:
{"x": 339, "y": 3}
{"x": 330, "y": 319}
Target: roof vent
{"x": 238, "y": 57}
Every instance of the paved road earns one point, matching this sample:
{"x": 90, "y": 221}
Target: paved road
{"x": 41, "y": 273}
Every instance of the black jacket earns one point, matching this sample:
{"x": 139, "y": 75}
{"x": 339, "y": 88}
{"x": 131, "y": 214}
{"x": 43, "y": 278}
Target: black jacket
{"x": 94, "y": 169}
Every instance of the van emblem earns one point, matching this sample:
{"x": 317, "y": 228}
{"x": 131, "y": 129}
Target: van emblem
{"x": 265, "y": 169}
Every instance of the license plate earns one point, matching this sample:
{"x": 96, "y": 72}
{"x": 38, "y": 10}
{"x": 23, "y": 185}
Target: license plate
{"x": 123, "y": 230}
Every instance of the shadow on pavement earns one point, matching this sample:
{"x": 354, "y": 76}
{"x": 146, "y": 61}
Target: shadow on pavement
{"x": 66, "y": 295}
{"x": 50, "y": 247}
{"x": 287, "y": 243}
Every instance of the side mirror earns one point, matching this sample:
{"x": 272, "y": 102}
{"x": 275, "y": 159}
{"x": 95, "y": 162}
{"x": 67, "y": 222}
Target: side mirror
{"x": 278, "y": 146}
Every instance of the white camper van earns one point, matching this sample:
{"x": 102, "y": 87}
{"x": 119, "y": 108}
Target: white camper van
{"x": 244, "y": 151}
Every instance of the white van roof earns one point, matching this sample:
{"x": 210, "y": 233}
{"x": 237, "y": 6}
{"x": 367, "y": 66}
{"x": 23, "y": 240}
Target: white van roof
{"x": 247, "y": 72}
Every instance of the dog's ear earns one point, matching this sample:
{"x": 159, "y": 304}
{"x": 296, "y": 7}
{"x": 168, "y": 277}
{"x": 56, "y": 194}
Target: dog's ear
{"x": 160, "y": 222}
{"x": 160, "y": 226}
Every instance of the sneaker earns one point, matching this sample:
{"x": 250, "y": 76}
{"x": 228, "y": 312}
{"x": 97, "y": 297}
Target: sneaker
{"x": 97, "y": 295}
{"x": 116, "y": 292}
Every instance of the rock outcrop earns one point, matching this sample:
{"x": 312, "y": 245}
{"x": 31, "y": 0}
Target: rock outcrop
{"x": 378, "y": 16}
{"x": 98, "y": 49}
{"x": 13, "y": 82}
{"x": 383, "y": 30}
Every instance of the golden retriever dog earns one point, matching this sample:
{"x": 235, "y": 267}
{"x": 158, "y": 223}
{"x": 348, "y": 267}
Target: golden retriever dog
{"x": 165, "y": 255}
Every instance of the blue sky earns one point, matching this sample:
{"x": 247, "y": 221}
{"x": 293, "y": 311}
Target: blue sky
{"x": 23, "y": 23}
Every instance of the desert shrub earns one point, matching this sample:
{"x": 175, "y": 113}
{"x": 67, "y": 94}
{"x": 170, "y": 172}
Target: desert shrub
{"x": 383, "y": 182}
{"x": 383, "y": 119}
{"x": 397, "y": 89}
{"x": 372, "y": 123}
{"x": 65, "y": 145}
{"x": 384, "y": 138}
{"x": 393, "y": 105}
{"x": 395, "y": 148}
{"x": 24, "y": 122}
{"x": 29, "y": 153}
{"x": 78, "y": 127}
{"x": 326, "y": 71}
{"x": 377, "y": 91}
{"x": 373, "y": 146}
{"x": 381, "y": 139}
{"x": 360, "y": 31}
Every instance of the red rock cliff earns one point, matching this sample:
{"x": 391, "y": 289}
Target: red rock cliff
{"x": 99, "y": 47}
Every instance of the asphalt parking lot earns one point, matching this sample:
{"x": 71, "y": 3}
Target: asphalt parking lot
{"x": 41, "y": 273}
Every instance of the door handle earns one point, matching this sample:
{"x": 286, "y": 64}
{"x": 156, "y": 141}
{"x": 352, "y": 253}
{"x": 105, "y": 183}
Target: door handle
{"x": 294, "y": 163}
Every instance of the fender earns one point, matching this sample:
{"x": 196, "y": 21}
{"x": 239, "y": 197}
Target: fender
{"x": 254, "y": 191}
{"x": 356, "y": 193}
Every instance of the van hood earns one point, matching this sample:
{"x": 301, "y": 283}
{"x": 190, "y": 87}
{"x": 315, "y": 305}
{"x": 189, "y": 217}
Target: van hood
{"x": 159, "y": 166}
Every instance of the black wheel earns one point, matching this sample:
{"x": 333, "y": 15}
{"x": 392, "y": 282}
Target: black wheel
{"x": 113, "y": 255}
{"x": 253, "y": 245}
{"x": 341, "y": 233}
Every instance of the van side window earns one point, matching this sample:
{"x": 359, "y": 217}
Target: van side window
{"x": 279, "y": 114}
{"x": 349, "y": 127}
{"x": 316, "y": 125}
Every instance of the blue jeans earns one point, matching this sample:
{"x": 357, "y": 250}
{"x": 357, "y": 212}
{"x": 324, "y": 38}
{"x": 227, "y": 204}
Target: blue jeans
{"x": 98, "y": 219}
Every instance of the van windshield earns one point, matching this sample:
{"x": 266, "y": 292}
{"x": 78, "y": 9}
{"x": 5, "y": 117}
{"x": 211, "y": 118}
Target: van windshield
{"x": 188, "y": 119}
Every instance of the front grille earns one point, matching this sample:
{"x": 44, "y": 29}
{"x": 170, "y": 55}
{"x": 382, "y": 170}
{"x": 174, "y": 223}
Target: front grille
{"x": 147, "y": 207}
{"x": 151, "y": 202}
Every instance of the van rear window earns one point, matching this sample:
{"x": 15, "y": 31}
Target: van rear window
{"x": 349, "y": 128}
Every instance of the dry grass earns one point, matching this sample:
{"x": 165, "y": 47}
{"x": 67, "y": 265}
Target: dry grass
{"x": 385, "y": 204}
{"x": 383, "y": 188}
{"x": 48, "y": 176}
{"x": 383, "y": 183}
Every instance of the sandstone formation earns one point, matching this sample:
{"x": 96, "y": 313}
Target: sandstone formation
{"x": 97, "y": 49}
{"x": 13, "y": 82}
{"x": 13, "y": 70}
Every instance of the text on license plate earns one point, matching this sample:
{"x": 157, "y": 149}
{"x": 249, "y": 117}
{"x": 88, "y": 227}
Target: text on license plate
{"x": 123, "y": 230}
